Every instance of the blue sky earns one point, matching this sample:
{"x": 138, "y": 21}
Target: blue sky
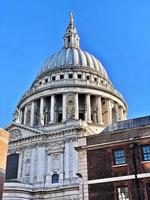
{"x": 116, "y": 32}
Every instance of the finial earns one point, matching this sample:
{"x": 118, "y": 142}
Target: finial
{"x": 71, "y": 18}
{"x": 71, "y": 38}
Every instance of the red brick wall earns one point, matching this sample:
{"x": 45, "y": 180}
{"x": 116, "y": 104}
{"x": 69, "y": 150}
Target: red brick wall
{"x": 107, "y": 191}
{"x": 100, "y": 165}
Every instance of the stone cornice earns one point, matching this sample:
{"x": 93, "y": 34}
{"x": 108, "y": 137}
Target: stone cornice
{"x": 73, "y": 69}
{"x": 53, "y": 87}
{"x": 42, "y": 139}
{"x": 9, "y": 127}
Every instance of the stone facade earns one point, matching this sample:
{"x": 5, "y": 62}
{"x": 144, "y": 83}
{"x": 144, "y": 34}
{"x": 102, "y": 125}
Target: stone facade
{"x": 70, "y": 98}
{"x": 117, "y": 159}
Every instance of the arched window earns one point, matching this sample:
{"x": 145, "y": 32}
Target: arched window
{"x": 12, "y": 166}
{"x": 55, "y": 178}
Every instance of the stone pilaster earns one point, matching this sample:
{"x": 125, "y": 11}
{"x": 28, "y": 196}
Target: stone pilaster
{"x": 41, "y": 164}
{"x": 19, "y": 166}
{"x": 67, "y": 159}
{"x": 32, "y": 166}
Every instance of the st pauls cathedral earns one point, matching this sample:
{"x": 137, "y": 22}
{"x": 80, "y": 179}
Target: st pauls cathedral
{"x": 70, "y": 98}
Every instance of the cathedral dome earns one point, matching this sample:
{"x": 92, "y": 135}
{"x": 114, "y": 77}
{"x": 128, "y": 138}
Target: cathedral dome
{"x": 71, "y": 85}
{"x": 73, "y": 57}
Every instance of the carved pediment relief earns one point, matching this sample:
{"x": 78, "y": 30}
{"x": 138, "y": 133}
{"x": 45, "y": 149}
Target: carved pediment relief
{"x": 55, "y": 147}
{"x": 15, "y": 133}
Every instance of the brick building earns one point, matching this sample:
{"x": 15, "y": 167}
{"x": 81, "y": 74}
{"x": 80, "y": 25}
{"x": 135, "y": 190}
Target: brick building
{"x": 115, "y": 164}
{"x": 4, "y": 136}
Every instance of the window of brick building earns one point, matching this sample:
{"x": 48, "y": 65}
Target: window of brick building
{"x": 119, "y": 157}
{"x": 122, "y": 193}
{"x": 146, "y": 152}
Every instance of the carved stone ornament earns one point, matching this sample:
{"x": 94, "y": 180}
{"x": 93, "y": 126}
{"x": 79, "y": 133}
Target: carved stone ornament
{"x": 55, "y": 148}
{"x": 15, "y": 134}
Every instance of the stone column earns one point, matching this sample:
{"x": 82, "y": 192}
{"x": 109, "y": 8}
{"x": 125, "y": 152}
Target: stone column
{"x": 52, "y": 109}
{"x": 76, "y": 106}
{"x": 32, "y": 114}
{"x": 117, "y": 112}
{"x": 88, "y": 104}
{"x": 25, "y": 114}
{"x": 109, "y": 111}
{"x": 42, "y": 111}
{"x": 21, "y": 116}
{"x": 64, "y": 107}
{"x": 99, "y": 110}
{"x": 121, "y": 113}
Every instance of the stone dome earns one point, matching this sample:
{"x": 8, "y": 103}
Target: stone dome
{"x": 73, "y": 57}
{"x": 71, "y": 85}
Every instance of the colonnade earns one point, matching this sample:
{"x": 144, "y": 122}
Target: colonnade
{"x": 100, "y": 110}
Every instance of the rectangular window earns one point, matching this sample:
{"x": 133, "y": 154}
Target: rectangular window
{"x": 61, "y": 76}
{"x": 122, "y": 193}
{"x": 70, "y": 76}
{"x": 146, "y": 152}
{"x": 95, "y": 79}
{"x": 119, "y": 157}
{"x": 87, "y": 77}
{"x": 53, "y": 78}
{"x": 79, "y": 76}
{"x": 46, "y": 80}
{"x": 12, "y": 166}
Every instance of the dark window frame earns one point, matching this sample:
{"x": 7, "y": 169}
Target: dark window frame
{"x": 55, "y": 178}
{"x": 53, "y": 78}
{"x": 70, "y": 76}
{"x": 145, "y": 155}
{"x": 122, "y": 186}
{"x": 119, "y": 157}
{"x": 61, "y": 76}
{"x": 79, "y": 76}
{"x": 12, "y": 166}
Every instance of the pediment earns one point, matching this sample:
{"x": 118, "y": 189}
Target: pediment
{"x": 55, "y": 147}
{"x": 18, "y": 131}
